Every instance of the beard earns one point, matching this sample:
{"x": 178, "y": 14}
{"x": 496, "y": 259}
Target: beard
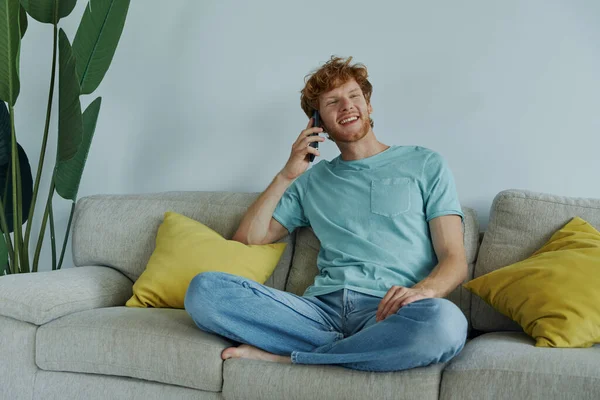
{"x": 341, "y": 136}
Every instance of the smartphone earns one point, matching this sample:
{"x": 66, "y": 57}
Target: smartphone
{"x": 316, "y": 123}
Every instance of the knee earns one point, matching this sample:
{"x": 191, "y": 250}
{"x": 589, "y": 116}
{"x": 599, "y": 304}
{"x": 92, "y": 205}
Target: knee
{"x": 448, "y": 329}
{"x": 200, "y": 293}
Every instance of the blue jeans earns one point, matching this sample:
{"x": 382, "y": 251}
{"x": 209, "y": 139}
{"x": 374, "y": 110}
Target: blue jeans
{"x": 336, "y": 328}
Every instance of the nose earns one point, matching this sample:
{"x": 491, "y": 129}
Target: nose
{"x": 346, "y": 104}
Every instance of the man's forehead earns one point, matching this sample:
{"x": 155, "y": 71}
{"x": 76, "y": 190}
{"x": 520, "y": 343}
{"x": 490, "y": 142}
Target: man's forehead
{"x": 349, "y": 86}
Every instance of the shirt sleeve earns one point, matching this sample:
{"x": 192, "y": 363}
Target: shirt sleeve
{"x": 290, "y": 211}
{"x": 440, "y": 190}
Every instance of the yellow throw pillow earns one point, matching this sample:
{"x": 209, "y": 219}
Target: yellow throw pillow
{"x": 185, "y": 248}
{"x": 554, "y": 294}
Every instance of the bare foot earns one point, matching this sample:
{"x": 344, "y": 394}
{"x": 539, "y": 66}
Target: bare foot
{"x": 253, "y": 353}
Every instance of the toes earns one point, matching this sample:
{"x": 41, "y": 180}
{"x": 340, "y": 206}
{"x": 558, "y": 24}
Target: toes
{"x": 227, "y": 353}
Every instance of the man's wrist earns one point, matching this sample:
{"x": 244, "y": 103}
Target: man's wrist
{"x": 427, "y": 289}
{"x": 283, "y": 178}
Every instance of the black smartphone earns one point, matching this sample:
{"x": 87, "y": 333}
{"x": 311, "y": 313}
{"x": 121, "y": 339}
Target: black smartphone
{"x": 316, "y": 123}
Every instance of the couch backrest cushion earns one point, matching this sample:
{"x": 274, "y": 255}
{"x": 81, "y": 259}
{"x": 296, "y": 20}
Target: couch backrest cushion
{"x": 304, "y": 263}
{"x": 119, "y": 231}
{"x": 520, "y": 223}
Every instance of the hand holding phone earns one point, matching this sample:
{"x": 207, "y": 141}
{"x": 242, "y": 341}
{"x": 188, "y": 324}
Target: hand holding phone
{"x": 298, "y": 161}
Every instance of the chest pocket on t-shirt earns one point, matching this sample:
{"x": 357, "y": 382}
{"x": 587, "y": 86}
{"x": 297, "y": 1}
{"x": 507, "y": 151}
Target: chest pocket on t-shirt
{"x": 390, "y": 196}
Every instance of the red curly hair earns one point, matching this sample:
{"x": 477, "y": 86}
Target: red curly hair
{"x": 331, "y": 75}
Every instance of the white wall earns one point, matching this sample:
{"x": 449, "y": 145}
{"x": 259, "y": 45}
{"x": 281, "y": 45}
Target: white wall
{"x": 204, "y": 95}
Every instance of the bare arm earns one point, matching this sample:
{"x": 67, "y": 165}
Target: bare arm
{"x": 451, "y": 270}
{"x": 258, "y": 225}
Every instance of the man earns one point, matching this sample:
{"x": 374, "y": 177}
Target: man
{"x": 389, "y": 223}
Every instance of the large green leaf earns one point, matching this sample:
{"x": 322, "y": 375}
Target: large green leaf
{"x": 6, "y": 171}
{"x": 48, "y": 11}
{"x": 26, "y": 188}
{"x": 68, "y": 173}
{"x": 10, "y": 40}
{"x": 96, "y": 40}
{"x": 70, "y": 124}
{"x": 22, "y": 21}
{"x": 5, "y": 134}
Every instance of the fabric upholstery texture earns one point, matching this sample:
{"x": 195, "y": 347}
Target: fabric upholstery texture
{"x": 263, "y": 380}
{"x": 520, "y": 223}
{"x": 106, "y": 351}
{"x": 17, "y": 365}
{"x": 119, "y": 231}
{"x": 43, "y": 296}
{"x": 156, "y": 344}
{"x": 507, "y": 365}
{"x": 50, "y": 385}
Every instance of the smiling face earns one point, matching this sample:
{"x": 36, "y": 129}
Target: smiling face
{"x": 345, "y": 113}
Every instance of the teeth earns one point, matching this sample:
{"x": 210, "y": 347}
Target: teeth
{"x": 348, "y": 120}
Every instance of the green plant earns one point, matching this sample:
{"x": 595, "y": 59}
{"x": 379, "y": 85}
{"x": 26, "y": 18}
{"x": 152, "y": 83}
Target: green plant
{"x": 81, "y": 68}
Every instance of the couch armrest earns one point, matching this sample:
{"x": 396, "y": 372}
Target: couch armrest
{"x": 41, "y": 297}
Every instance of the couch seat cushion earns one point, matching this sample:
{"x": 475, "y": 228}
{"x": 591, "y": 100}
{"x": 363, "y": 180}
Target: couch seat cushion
{"x": 162, "y": 345}
{"x": 507, "y": 365}
{"x": 263, "y": 380}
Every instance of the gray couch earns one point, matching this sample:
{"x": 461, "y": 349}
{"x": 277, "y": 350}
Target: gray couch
{"x": 67, "y": 335}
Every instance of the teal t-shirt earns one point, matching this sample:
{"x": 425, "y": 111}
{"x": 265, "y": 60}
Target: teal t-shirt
{"x": 371, "y": 217}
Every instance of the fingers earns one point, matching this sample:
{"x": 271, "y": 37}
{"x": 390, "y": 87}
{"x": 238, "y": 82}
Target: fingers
{"x": 397, "y": 302}
{"x": 304, "y": 141}
{"x": 309, "y": 139}
{"x": 393, "y": 308}
{"x": 384, "y": 305}
{"x": 302, "y": 148}
{"x": 411, "y": 299}
{"x": 310, "y": 131}
{"x": 310, "y": 123}
{"x": 387, "y": 298}
{"x": 312, "y": 150}
{"x": 396, "y": 297}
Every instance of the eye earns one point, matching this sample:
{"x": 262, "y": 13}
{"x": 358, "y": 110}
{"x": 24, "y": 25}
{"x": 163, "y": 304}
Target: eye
{"x": 354, "y": 95}
{"x": 332, "y": 102}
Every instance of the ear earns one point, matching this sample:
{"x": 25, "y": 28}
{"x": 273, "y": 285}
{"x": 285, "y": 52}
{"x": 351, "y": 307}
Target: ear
{"x": 370, "y": 108}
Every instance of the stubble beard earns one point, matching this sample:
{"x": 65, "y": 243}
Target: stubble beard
{"x": 341, "y": 138}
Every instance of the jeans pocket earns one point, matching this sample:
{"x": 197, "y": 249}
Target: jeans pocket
{"x": 390, "y": 196}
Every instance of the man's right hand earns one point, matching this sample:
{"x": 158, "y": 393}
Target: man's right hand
{"x": 299, "y": 158}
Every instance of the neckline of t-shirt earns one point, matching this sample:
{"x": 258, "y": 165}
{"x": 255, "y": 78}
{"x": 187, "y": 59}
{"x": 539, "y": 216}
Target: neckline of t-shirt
{"x": 364, "y": 161}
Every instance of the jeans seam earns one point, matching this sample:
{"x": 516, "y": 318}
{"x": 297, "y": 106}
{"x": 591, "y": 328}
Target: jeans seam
{"x": 246, "y": 285}
{"x": 318, "y": 309}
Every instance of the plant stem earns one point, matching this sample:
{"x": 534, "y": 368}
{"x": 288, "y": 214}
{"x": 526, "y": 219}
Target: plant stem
{"x": 38, "y": 248}
{"x": 4, "y": 196}
{"x": 52, "y": 235}
{"x": 18, "y": 229}
{"x": 64, "y": 246}
{"x": 14, "y": 159}
{"x": 44, "y": 142}
{"x": 4, "y": 226}
{"x": 4, "y": 223}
